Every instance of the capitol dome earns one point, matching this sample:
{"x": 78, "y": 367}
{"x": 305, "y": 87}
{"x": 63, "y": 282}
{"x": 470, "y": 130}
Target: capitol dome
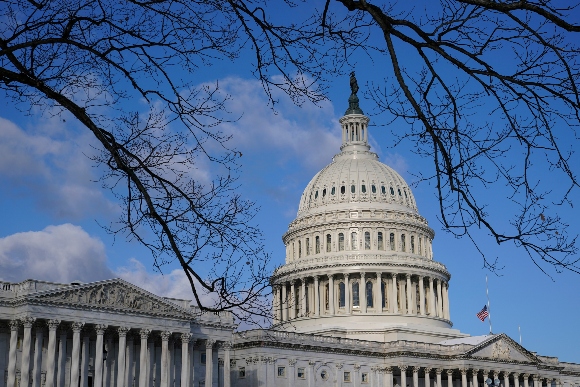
{"x": 359, "y": 260}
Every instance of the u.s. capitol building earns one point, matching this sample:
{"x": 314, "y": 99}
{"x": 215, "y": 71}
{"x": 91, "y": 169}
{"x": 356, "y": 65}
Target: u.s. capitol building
{"x": 359, "y": 302}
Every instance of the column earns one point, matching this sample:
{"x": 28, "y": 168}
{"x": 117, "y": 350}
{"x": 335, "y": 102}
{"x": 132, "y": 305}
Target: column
{"x": 122, "y": 331}
{"x": 291, "y": 371}
{"x": 403, "y": 369}
{"x": 416, "y": 376}
{"x": 421, "y": 296}
{"x": 474, "y": 378}
{"x": 506, "y": 379}
{"x": 389, "y": 377}
{"x": 76, "y": 351}
{"x": 394, "y": 295}
{"x": 347, "y": 303}
{"x": 526, "y": 380}
{"x": 185, "y": 337}
{"x": 316, "y": 296}
{"x": 14, "y": 325}
{"x": 439, "y": 299}
{"x": 36, "y": 368}
{"x": 428, "y": 377}
{"x": 26, "y": 346}
{"x": 536, "y": 379}
{"x": 516, "y": 379}
{"x": 143, "y": 374}
{"x": 164, "y": 382}
{"x": 378, "y": 294}
{"x": 362, "y": 292}
{"x": 108, "y": 364}
{"x": 302, "y": 298}
{"x": 431, "y": 298}
{"x": 409, "y": 299}
{"x": 275, "y": 319}
{"x": 129, "y": 360}
{"x": 331, "y": 294}
{"x": 464, "y": 377}
{"x": 60, "y": 377}
{"x": 227, "y": 364}
{"x": 85, "y": 361}
{"x": 209, "y": 362}
{"x": 284, "y": 303}
{"x": 98, "y": 362}
{"x": 311, "y": 365}
{"x": 51, "y": 352}
{"x": 446, "y": 302}
{"x": 292, "y": 302}
{"x": 438, "y": 372}
{"x": 356, "y": 375}
{"x": 449, "y": 378}
{"x": 278, "y": 303}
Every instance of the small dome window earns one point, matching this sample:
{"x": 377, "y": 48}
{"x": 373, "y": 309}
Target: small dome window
{"x": 324, "y": 192}
{"x": 392, "y": 191}
{"x": 374, "y": 189}
{"x": 342, "y": 190}
{"x": 332, "y": 191}
{"x": 398, "y": 189}
{"x": 383, "y": 191}
{"x": 316, "y": 195}
{"x": 352, "y": 188}
{"x": 405, "y": 191}
{"x": 364, "y": 188}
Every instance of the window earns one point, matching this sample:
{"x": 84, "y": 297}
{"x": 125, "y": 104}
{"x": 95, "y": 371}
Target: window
{"x": 317, "y": 244}
{"x": 324, "y": 192}
{"x": 299, "y": 249}
{"x": 242, "y": 372}
{"x": 316, "y": 195}
{"x": 326, "y": 296}
{"x": 352, "y": 189}
{"x": 340, "y": 242}
{"x": 392, "y": 241}
{"x": 399, "y": 190}
{"x": 307, "y": 246}
{"x": 341, "y": 295}
{"x": 365, "y": 377}
{"x": 405, "y": 191}
{"x": 324, "y": 374}
{"x": 403, "y": 245}
{"x": 301, "y": 374}
{"x": 328, "y": 242}
{"x": 412, "y": 244}
{"x": 281, "y": 372}
{"x": 419, "y": 250}
{"x": 369, "y": 289}
{"x": 355, "y": 298}
{"x": 373, "y": 188}
{"x": 383, "y": 295}
{"x": 332, "y": 191}
{"x": 202, "y": 358}
{"x": 346, "y": 376}
{"x": 363, "y": 188}
{"x": 383, "y": 191}
{"x": 392, "y": 191}
{"x": 367, "y": 240}
{"x": 353, "y": 241}
{"x": 380, "y": 241}
{"x": 342, "y": 189}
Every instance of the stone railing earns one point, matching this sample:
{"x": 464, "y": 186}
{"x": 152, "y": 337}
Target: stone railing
{"x": 224, "y": 316}
{"x": 15, "y": 289}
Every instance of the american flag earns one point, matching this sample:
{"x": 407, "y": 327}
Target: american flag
{"x": 483, "y": 314}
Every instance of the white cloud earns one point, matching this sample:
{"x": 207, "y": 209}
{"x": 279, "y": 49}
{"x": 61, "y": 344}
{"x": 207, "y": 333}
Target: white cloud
{"x": 55, "y": 172}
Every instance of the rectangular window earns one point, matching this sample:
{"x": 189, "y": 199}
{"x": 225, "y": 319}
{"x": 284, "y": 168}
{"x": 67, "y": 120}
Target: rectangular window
{"x": 367, "y": 240}
{"x": 281, "y": 372}
{"x": 391, "y": 242}
{"x": 365, "y": 377}
{"x": 340, "y": 242}
{"x": 353, "y": 241}
{"x": 380, "y": 241}
{"x": 412, "y": 244}
{"x": 301, "y": 374}
{"x": 328, "y": 243}
{"x": 403, "y": 244}
{"x": 242, "y": 372}
{"x": 317, "y": 245}
{"x": 307, "y": 246}
{"x": 202, "y": 358}
{"x": 346, "y": 376}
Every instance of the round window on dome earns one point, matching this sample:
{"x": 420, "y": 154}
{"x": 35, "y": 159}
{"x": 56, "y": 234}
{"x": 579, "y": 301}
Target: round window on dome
{"x": 374, "y": 189}
{"x": 364, "y": 188}
{"x": 352, "y": 189}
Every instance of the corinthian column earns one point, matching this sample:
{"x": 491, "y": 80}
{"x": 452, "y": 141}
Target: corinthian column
{"x": 14, "y": 325}
{"x": 164, "y": 359}
{"x": 331, "y": 294}
{"x": 122, "y": 331}
{"x": 144, "y": 335}
{"x": 98, "y": 362}
{"x": 25, "y": 367}
{"x": 409, "y": 295}
{"x": 438, "y": 373}
{"x": 51, "y": 352}
{"x": 421, "y": 296}
{"x": 292, "y": 303}
{"x": 209, "y": 362}
{"x": 449, "y": 378}
{"x": 474, "y": 378}
{"x": 76, "y": 351}
{"x": 394, "y": 295}
{"x": 432, "y": 300}
{"x": 37, "y": 356}
{"x": 439, "y": 299}
{"x": 526, "y": 380}
{"x": 403, "y": 369}
{"x": 446, "y": 302}
{"x": 464, "y": 377}
{"x": 516, "y": 379}
{"x": 302, "y": 298}
{"x": 378, "y": 294}
{"x": 227, "y": 364}
{"x": 284, "y": 304}
{"x": 316, "y": 297}
{"x": 185, "y": 337}
{"x": 347, "y": 302}
{"x": 416, "y": 376}
{"x": 428, "y": 377}
{"x": 362, "y": 291}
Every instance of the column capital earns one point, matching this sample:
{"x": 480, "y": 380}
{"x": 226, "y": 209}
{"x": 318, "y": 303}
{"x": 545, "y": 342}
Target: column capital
{"x": 339, "y": 366}
{"x": 416, "y": 369}
{"x": 293, "y": 281}
{"x": 388, "y": 370}
{"x": 379, "y": 274}
{"x": 516, "y": 375}
{"x": 525, "y": 376}
{"x": 227, "y": 345}
{"x": 122, "y": 331}
{"x": 346, "y": 276}
{"x": 186, "y": 337}
{"x": 209, "y": 343}
{"x": 312, "y": 363}
{"x": 100, "y": 329}
{"x": 430, "y": 280}
{"x": 165, "y": 335}
{"x": 331, "y": 276}
{"x": 403, "y": 368}
{"x": 362, "y": 274}
{"x": 316, "y": 278}
{"x": 408, "y": 275}
{"x": 52, "y": 324}
{"x": 394, "y": 275}
{"x": 463, "y": 370}
{"x": 27, "y": 321}
{"x": 536, "y": 377}
{"x": 292, "y": 362}
{"x": 449, "y": 372}
{"x": 357, "y": 367}
{"x": 144, "y": 333}
{"x": 220, "y": 362}
{"x": 438, "y": 371}
{"x": 428, "y": 370}
{"x": 77, "y": 326}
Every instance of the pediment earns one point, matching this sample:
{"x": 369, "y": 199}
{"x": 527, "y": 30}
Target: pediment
{"x": 502, "y": 348}
{"x": 115, "y": 294}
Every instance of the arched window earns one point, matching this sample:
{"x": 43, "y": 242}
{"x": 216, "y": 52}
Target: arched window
{"x": 355, "y": 297}
{"x": 367, "y": 240}
{"x": 380, "y": 241}
{"x": 369, "y": 290}
{"x": 363, "y": 188}
{"x": 326, "y": 296}
{"x": 353, "y": 241}
{"x": 383, "y": 191}
{"x": 328, "y": 243}
{"x": 332, "y": 191}
{"x": 383, "y": 295}
{"x": 392, "y": 241}
{"x": 412, "y": 244}
{"x": 341, "y": 295}
{"x": 316, "y": 195}
{"x": 420, "y": 249}
{"x": 373, "y": 188}
{"x": 352, "y": 188}
{"x": 324, "y": 192}
{"x": 403, "y": 243}
{"x": 317, "y": 244}
{"x": 307, "y": 246}
{"x": 392, "y": 191}
{"x": 340, "y": 242}
{"x": 399, "y": 190}
{"x": 299, "y": 249}
{"x": 342, "y": 189}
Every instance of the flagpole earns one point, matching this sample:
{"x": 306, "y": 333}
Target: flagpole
{"x": 488, "y": 309}
{"x": 520, "y": 330}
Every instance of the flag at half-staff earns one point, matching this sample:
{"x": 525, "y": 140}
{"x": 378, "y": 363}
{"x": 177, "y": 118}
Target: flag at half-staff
{"x": 483, "y": 314}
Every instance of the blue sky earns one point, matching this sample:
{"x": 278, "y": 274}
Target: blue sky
{"x": 52, "y": 209}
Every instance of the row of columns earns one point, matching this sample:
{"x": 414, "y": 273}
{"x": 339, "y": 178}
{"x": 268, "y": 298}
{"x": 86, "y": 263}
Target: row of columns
{"x": 79, "y": 361}
{"x": 433, "y": 299}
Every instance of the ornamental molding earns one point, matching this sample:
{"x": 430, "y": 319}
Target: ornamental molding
{"x": 110, "y": 295}
{"x": 502, "y": 348}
